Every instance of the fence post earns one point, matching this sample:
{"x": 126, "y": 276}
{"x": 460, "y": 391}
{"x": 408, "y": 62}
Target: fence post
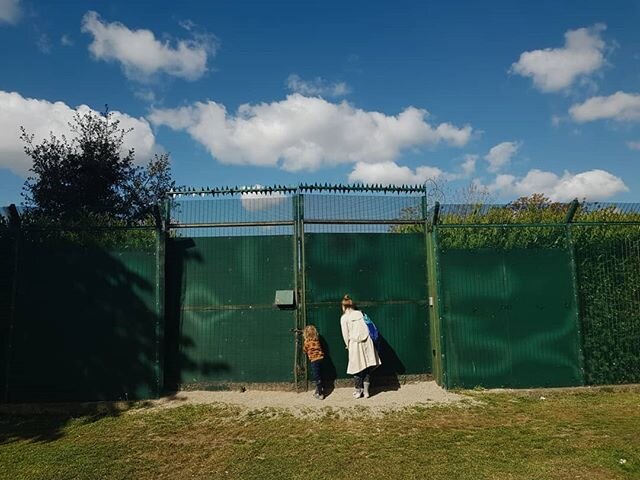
{"x": 573, "y": 207}
{"x": 14, "y": 225}
{"x": 439, "y": 333}
{"x": 159, "y": 213}
{"x": 300, "y": 364}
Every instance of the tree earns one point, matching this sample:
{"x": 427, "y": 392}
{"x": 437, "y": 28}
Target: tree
{"x": 92, "y": 176}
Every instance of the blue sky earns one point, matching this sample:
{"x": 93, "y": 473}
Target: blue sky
{"x": 516, "y": 97}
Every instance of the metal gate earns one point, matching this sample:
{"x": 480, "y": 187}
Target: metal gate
{"x": 226, "y": 257}
{"x": 228, "y": 254}
{"x": 371, "y": 246}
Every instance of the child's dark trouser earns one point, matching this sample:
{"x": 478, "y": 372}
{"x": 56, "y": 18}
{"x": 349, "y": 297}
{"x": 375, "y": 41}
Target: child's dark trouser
{"x": 317, "y": 377}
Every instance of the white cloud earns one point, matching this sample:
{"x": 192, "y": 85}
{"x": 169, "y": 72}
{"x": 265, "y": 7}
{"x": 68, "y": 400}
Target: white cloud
{"x": 66, "y": 41}
{"x": 317, "y": 87}
{"x": 390, "y": 173}
{"x": 44, "y": 44}
{"x": 469, "y": 164}
{"x": 620, "y": 106}
{"x": 555, "y": 69}
{"x": 10, "y": 11}
{"x": 500, "y": 155}
{"x": 141, "y": 55}
{"x": 592, "y": 185}
{"x": 306, "y": 133}
{"x": 256, "y": 201}
{"x": 40, "y": 117}
{"x": 634, "y": 145}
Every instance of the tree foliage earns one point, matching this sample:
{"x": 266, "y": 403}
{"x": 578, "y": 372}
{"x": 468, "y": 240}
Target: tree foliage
{"x": 92, "y": 178}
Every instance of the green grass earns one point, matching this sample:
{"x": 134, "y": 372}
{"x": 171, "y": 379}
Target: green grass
{"x": 520, "y": 436}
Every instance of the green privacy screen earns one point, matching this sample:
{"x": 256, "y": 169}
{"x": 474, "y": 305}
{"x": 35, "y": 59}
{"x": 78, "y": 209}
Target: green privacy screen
{"x": 508, "y": 318}
{"x": 385, "y": 274}
{"x": 608, "y": 267}
{"x": 86, "y": 325}
{"x": 6, "y": 292}
{"x": 220, "y": 309}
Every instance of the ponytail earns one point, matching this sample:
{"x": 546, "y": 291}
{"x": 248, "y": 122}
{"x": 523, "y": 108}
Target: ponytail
{"x": 347, "y": 302}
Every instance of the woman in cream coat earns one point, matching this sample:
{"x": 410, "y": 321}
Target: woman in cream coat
{"x": 363, "y": 357}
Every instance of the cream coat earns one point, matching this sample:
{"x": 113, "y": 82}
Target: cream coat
{"x": 362, "y": 353}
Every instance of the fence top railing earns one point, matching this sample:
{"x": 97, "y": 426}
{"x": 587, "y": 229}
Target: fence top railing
{"x": 182, "y": 192}
{"x": 369, "y": 203}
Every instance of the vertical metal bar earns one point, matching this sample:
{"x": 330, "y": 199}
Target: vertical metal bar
{"x": 298, "y": 369}
{"x": 573, "y": 207}
{"x": 425, "y": 223}
{"x": 302, "y": 319}
{"x": 14, "y": 223}
{"x": 160, "y": 233}
{"x": 576, "y": 297}
{"x": 444, "y": 375}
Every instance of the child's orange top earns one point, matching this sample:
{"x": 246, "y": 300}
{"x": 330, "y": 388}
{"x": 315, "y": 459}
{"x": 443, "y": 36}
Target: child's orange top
{"x": 313, "y": 350}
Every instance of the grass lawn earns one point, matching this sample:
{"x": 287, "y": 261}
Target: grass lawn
{"x": 566, "y": 435}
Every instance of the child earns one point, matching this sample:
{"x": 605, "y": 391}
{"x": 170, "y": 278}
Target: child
{"x": 313, "y": 349}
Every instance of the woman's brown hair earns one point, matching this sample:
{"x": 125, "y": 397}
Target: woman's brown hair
{"x": 347, "y": 302}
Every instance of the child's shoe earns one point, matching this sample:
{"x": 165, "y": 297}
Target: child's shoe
{"x": 357, "y": 393}
{"x": 318, "y": 396}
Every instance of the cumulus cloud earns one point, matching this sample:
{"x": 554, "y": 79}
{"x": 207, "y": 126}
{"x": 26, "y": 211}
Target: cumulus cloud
{"x": 469, "y": 164}
{"x": 390, "y": 173}
{"x": 634, "y": 145}
{"x": 317, "y": 87}
{"x": 620, "y": 106}
{"x": 500, "y": 155}
{"x": 141, "y": 55}
{"x": 592, "y": 185}
{"x": 41, "y": 117}
{"x": 10, "y": 11}
{"x": 555, "y": 69}
{"x": 256, "y": 201}
{"x": 306, "y": 133}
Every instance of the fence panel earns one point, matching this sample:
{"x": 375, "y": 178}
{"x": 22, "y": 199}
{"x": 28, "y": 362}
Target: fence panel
{"x": 226, "y": 257}
{"x": 229, "y": 329}
{"x": 509, "y": 317}
{"x": 608, "y": 270}
{"x": 6, "y": 291}
{"x": 86, "y": 325}
{"x": 382, "y": 266}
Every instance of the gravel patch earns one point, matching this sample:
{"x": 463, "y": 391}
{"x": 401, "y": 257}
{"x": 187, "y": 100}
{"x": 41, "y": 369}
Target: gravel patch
{"x": 339, "y": 402}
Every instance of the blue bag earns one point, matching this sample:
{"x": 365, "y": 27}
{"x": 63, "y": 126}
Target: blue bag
{"x": 373, "y": 330}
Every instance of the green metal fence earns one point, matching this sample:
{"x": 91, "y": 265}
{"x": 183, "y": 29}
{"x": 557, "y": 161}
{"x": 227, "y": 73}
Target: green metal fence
{"x": 7, "y": 255}
{"x": 536, "y": 294}
{"x": 363, "y": 245}
{"x": 226, "y": 257}
{"x": 230, "y": 250}
{"x": 509, "y": 315}
{"x": 521, "y": 295}
{"x": 85, "y": 315}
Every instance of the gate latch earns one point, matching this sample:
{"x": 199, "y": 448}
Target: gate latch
{"x": 285, "y": 299}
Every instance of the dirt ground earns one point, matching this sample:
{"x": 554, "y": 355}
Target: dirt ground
{"x": 302, "y": 404}
{"x": 339, "y": 402}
